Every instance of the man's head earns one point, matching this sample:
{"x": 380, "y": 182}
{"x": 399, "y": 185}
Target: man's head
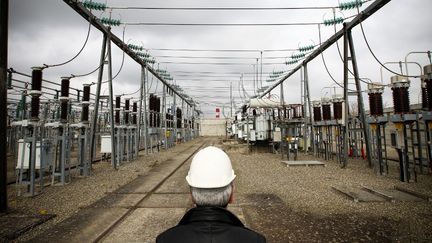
{"x": 210, "y": 178}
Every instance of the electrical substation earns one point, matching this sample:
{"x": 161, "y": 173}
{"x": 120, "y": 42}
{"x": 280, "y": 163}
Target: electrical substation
{"x": 330, "y": 137}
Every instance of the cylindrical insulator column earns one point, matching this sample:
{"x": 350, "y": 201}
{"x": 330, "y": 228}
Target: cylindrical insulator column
{"x": 64, "y": 99}
{"x": 326, "y": 110}
{"x": 337, "y": 107}
{"x": 85, "y": 103}
{"x": 427, "y": 80}
{"x": 35, "y": 93}
{"x": 151, "y": 105}
{"x": 375, "y": 91}
{"x": 134, "y": 112}
{"x": 424, "y": 95}
{"x": 158, "y": 105}
{"x": 401, "y": 100}
{"x": 126, "y": 112}
{"x": 117, "y": 110}
{"x": 316, "y": 105}
{"x": 179, "y": 117}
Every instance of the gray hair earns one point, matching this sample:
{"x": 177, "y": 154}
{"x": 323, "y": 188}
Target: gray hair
{"x": 213, "y": 197}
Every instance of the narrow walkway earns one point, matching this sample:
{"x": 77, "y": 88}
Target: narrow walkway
{"x": 129, "y": 213}
{"x": 286, "y": 204}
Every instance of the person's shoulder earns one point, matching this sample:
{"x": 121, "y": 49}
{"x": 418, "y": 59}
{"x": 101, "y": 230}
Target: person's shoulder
{"x": 253, "y": 234}
{"x": 169, "y": 235}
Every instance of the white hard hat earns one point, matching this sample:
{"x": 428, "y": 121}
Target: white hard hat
{"x": 210, "y": 168}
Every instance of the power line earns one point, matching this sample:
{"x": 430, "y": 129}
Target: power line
{"x": 228, "y": 24}
{"x": 221, "y": 63}
{"x": 220, "y": 57}
{"x": 76, "y": 55}
{"x": 210, "y": 76}
{"x": 221, "y": 50}
{"x": 193, "y": 72}
{"x": 219, "y": 24}
{"x": 223, "y": 8}
{"x": 214, "y": 80}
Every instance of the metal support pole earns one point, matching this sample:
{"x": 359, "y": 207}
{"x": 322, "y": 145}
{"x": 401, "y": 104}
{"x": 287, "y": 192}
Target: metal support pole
{"x": 33, "y": 159}
{"x": 231, "y": 101}
{"x": 96, "y": 104}
{"x": 4, "y": 16}
{"x": 282, "y": 98}
{"x": 144, "y": 100}
{"x": 261, "y": 69}
{"x": 360, "y": 100}
{"x": 174, "y": 112}
{"x": 164, "y": 120}
{"x": 346, "y": 105}
{"x": 111, "y": 108}
{"x": 308, "y": 104}
{"x": 140, "y": 110}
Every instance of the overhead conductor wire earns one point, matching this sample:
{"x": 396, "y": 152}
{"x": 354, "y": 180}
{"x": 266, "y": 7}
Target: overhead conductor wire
{"x": 339, "y": 51}
{"x": 79, "y": 52}
{"x": 325, "y": 64}
{"x": 375, "y": 57}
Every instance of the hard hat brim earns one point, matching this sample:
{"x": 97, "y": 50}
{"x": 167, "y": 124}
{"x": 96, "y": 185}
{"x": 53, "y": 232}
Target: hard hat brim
{"x": 211, "y": 185}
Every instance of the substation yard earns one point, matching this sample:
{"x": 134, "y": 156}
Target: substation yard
{"x": 286, "y": 204}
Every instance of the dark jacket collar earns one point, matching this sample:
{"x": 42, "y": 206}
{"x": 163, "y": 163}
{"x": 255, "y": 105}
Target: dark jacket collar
{"x": 210, "y": 214}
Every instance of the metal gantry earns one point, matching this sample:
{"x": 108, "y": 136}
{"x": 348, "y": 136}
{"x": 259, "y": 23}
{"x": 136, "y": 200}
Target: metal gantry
{"x": 48, "y": 141}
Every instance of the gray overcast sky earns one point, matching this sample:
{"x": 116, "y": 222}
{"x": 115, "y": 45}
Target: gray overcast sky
{"x": 50, "y": 32}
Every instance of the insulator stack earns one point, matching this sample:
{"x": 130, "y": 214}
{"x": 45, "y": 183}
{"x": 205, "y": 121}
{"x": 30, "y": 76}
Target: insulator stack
{"x": 86, "y": 92}
{"x": 296, "y": 111}
{"x": 85, "y": 114}
{"x": 64, "y": 99}
{"x": 64, "y": 92}
{"x": 316, "y": 105}
{"x": 326, "y": 110}
{"x": 117, "y": 110}
{"x": 154, "y": 106}
{"x": 126, "y": 114}
{"x": 158, "y": 117}
{"x": 337, "y": 107}
{"x": 134, "y": 113}
{"x": 85, "y": 103}
{"x": 36, "y": 92}
{"x": 428, "y": 86}
{"x": 401, "y": 100}
{"x": 151, "y": 108}
{"x": 375, "y": 99}
{"x": 179, "y": 117}
{"x": 337, "y": 110}
{"x": 424, "y": 95}
{"x": 288, "y": 112}
{"x": 37, "y": 79}
{"x": 63, "y": 112}
{"x": 34, "y": 113}
{"x": 169, "y": 118}
{"x": 293, "y": 112}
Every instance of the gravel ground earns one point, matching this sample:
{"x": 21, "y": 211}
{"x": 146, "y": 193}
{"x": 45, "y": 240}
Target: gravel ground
{"x": 83, "y": 191}
{"x": 313, "y": 208}
{"x": 301, "y": 206}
